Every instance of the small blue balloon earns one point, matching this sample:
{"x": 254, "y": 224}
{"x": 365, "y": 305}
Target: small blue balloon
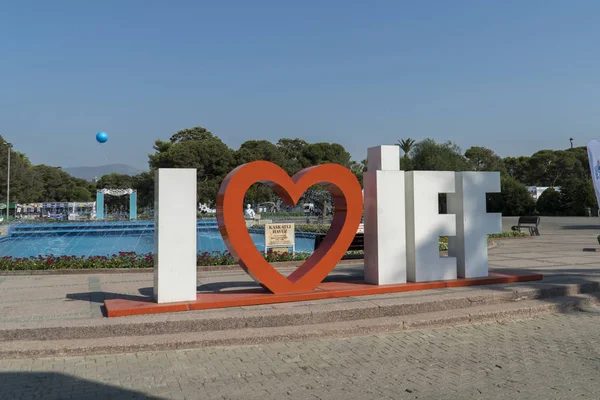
{"x": 101, "y": 137}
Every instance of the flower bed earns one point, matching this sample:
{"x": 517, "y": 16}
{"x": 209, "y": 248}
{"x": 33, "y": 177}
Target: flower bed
{"x": 121, "y": 260}
{"x": 130, "y": 260}
{"x": 508, "y": 235}
{"x": 124, "y": 260}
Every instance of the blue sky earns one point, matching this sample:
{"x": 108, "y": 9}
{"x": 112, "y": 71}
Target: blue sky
{"x": 514, "y": 76}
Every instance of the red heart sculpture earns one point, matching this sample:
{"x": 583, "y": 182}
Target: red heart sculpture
{"x": 348, "y": 204}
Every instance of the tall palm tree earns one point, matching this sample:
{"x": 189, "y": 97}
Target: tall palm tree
{"x": 406, "y": 145}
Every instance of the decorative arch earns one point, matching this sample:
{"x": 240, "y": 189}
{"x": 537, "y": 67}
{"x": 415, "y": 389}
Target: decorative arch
{"x": 116, "y": 192}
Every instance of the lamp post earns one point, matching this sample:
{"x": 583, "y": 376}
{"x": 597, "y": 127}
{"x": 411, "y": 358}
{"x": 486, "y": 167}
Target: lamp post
{"x": 571, "y": 140}
{"x": 9, "y": 146}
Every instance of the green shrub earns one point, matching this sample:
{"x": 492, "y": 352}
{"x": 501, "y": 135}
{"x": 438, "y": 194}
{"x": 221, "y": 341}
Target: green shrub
{"x": 282, "y": 215}
{"x": 576, "y": 196}
{"x": 503, "y": 235}
{"x": 514, "y": 200}
{"x": 508, "y": 234}
{"x": 121, "y": 260}
{"x": 302, "y": 228}
{"x": 549, "y": 203}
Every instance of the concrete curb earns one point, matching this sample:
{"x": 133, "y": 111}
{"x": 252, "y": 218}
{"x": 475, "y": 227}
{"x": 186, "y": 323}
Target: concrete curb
{"x": 257, "y": 317}
{"x": 257, "y": 336}
{"x": 207, "y": 268}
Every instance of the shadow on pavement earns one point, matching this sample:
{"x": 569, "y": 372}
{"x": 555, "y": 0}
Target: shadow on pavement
{"x": 580, "y": 227}
{"x": 52, "y": 385}
{"x": 99, "y": 297}
{"x": 252, "y": 287}
{"x": 249, "y": 287}
{"x": 555, "y": 285}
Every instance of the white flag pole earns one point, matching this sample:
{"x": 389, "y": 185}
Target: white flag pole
{"x": 593, "y": 148}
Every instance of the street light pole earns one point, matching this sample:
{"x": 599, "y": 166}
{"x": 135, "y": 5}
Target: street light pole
{"x": 8, "y": 184}
{"x": 9, "y": 146}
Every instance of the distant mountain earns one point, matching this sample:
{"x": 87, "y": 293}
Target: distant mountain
{"x": 89, "y": 173}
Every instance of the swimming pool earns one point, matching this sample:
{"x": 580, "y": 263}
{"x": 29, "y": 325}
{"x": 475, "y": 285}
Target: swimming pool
{"x": 95, "y": 239}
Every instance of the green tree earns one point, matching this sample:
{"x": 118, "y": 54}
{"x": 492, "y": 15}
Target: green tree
{"x": 518, "y": 168}
{"x": 514, "y": 199}
{"x": 406, "y": 164}
{"x": 428, "y": 155}
{"x": 80, "y": 193}
{"x": 56, "y": 183}
{"x": 542, "y": 168}
{"x": 40, "y": 183}
{"x": 554, "y": 167}
{"x": 483, "y": 159}
{"x": 292, "y": 152}
{"x": 200, "y": 149}
{"x": 325, "y": 153}
{"x": 583, "y": 165}
{"x": 549, "y": 203}
{"x": 82, "y": 190}
{"x": 192, "y": 134}
{"x": 406, "y": 145}
{"x": 549, "y": 167}
{"x": 358, "y": 169}
{"x": 24, "y": 159}
{"x": 25, "y": 185}
{"x": 576, "y": 196}
{"x": 115, "y": 181}
{"x": 254, "y": 150}
{"x": 144, "y": 184}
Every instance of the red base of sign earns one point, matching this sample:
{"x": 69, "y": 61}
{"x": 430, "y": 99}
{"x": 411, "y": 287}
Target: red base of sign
{"x": 326, "y": 290}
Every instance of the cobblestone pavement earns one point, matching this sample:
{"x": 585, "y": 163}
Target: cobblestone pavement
{"x": 36, "y": 299}
{"x": 552, "y": 357}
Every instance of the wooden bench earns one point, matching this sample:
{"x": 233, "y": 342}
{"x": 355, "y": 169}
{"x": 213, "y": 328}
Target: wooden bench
{"x": 531, "y": 223}
{"x": 358, "y": 244}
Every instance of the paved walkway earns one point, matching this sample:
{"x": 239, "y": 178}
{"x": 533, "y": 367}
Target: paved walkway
{"x": 551, "y": 357}
{"x": 547, "y": 358}
{"x": 31, "y": 300}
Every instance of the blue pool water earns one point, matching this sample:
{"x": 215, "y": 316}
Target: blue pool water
{"x": 98, "y": 244}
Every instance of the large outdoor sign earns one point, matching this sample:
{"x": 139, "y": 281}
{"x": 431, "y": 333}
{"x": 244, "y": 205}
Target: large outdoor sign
{"x": 279, "y": 236}
{"x": 347, "y": 199}
{"x": 402, "y": 224}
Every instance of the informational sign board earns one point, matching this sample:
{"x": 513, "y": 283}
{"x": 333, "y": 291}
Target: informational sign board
{"x": 280, "y": 236}
{"x": 401, "y": 214}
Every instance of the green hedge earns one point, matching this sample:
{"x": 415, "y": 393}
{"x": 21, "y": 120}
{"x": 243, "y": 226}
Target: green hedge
{"x": 325, "y": 228}
{"x": 508, "y": 234}
{"x": 121, "y": 260}
{"x": 302, "y": 228}
{"x": 125, "y": 260}
{"x": 281, "y": 215}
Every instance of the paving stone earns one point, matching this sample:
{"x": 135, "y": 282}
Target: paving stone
{"x": 556, "y": 356}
